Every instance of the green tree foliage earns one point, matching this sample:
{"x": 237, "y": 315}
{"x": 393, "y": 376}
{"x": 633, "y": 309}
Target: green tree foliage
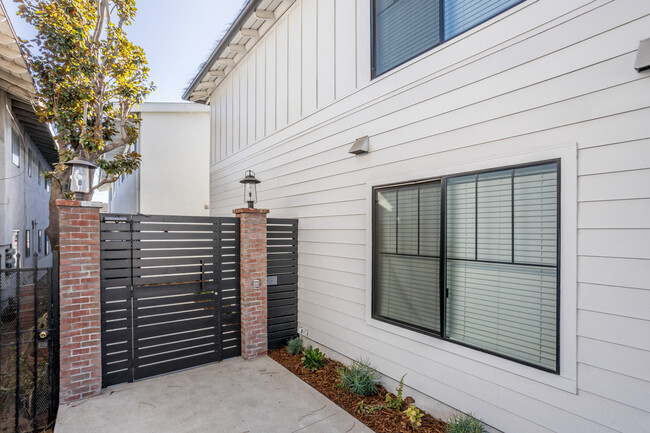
{"x": 88, "y": 79}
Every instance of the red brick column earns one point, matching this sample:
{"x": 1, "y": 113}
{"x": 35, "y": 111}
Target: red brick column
{"x": 79, "y": 300}
{"x": 253, "y": 282}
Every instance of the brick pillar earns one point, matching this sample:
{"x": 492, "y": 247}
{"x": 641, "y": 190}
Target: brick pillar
{"x": 79, "y": 300}
{"x": 253, "y": 282}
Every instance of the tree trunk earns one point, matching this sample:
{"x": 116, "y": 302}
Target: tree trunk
{"x": 52, "y": 229}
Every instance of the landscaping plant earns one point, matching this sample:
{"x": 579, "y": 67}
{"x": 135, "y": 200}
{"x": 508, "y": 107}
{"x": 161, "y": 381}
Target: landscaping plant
{"x": 464, "y": 423}
{"x": 362, "y": 409}
{"x": 398, "y": 402}
{"x": 372, "y": 411}
{"x": 312, "y": 359}
{"x": 294, "y": 346}
{"x": 359, "y": 378}
{"x": 414, "y": 415}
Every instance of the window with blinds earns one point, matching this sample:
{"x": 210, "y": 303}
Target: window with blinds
{"x": 500, "y": 262}
{"x": 407, "y": 277}
{"x": 404, "y": 29}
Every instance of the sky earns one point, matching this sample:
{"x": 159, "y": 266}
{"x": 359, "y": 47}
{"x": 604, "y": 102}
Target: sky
{"x": 176, "y": 35}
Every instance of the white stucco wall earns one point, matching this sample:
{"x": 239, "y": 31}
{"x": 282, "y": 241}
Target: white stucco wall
{"x": 23, "y": 200}
{"x": 173, "y": 178}
{"x": 546, "y": 79}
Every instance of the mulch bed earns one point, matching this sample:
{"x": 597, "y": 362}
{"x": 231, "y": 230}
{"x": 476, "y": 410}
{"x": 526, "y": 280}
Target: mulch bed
{"x": 381, "y": 421}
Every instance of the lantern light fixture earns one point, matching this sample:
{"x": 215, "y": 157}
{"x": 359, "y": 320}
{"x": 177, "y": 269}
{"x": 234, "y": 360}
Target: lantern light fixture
{"x": 250, "y": 188}
{"x": 80, "y": 179}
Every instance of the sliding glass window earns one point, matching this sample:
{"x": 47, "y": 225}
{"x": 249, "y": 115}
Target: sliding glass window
{"x": 500, "y": 261}
{"x": 407, "y": 236}
{"x": 403, "y": 29}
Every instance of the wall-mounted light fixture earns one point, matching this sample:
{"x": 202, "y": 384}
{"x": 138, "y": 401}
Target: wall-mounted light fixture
{"x": 360, "y": 146}
{"x": 250, "y": 188}
{"x": 643, "y": 56}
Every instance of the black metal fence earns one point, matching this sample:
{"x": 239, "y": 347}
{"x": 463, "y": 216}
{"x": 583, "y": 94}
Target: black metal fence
{"x": 170, "y": 294}
{"x": 282, "y": 271}
{"x": 29, "y": 356}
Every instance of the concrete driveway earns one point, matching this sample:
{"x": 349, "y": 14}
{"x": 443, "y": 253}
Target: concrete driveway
{"x": 234, "y": 396}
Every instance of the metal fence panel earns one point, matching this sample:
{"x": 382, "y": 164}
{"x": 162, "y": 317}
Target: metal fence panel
{"x": 282, "y": 272}
{"x": 28, "y": 349}
{"x": 170, "y": 294}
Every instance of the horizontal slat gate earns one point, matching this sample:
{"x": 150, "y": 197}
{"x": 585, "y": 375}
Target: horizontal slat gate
{"x": 282, "y": 271}
{"x": 170, "y": 294}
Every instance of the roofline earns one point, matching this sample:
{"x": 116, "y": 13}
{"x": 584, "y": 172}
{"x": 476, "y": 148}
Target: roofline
{"x": 170, "y": 107}
{"x": 248, "y": 9}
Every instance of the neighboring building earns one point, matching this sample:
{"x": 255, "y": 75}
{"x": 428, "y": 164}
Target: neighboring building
{"x": 173, "y": 175}
{"x": 26, "y": 150}
{"x": 493, "y": 242}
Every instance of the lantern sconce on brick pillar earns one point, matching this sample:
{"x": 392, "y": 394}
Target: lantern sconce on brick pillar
{"x": 253, "y": 302}
{"x": 80, "y": 374}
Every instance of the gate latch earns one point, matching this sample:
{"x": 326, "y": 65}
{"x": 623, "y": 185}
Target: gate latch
{"x": 42, "y": 334}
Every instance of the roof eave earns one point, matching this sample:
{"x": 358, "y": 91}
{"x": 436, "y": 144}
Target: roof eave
{"x": 245, "y": 13}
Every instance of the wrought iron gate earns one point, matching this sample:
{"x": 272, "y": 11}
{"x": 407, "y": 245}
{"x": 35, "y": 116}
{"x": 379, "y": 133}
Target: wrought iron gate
{"x": 29, "y": 359}
{"x": 170, "y": 294}
{"x": 282, "y": 271}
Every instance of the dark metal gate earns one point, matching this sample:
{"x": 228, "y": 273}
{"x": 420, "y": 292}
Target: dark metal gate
{"x": 282, "y": 271}
{"x": 170, "y": 294}
{"x": 29, "y": 359}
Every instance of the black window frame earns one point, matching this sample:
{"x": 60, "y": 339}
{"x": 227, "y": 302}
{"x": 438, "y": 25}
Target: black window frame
{"x": 444, "y": 292}
{"x": 373, "y": 33}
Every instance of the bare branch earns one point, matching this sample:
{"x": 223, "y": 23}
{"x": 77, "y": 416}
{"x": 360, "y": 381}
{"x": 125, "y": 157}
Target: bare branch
{"x": 102, "y": 12}
{"x": 112, "y": 146}
{"x": 104, "y": 182}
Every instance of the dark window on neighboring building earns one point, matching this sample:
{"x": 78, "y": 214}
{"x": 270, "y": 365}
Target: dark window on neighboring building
{"x": 40, "y": 170}
{"x": 490, "y": 239}
{"x": 47, "y": 245}
{"x": 15, "y": 148}
{"x": 28, "y": 163}
{"x": 28, "y": 245}
{"x": 403, "y": 29}
{"x": 40, "y": 241}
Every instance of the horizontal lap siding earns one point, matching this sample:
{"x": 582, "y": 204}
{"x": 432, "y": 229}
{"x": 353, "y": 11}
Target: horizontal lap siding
{"x": 543, "y": 75}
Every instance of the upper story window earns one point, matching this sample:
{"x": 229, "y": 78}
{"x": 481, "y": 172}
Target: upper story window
{"x": 473, "y": 259}
{"x": 403, "y": 29}
{"x": 15, "y": 148}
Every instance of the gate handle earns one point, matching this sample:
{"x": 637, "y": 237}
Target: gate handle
{"x": 42, "y": 335}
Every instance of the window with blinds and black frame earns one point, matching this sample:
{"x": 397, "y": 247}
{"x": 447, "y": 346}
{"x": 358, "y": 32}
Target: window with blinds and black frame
{"x": 404, "y": 29}
{"x": 491, "y": 240}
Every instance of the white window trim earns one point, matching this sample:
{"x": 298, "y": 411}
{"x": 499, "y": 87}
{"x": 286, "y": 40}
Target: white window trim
{"x": 567, "y": 379}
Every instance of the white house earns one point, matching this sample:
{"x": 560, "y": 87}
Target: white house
{"x": 493, "y": 241}
{"x": 26, "y": 150}
{"x": 173, "y": 176}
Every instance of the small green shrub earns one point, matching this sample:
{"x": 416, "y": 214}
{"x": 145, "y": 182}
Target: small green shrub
{"x": 359, "y": 378}
{"x": 398, "y": 402}
{"x": 465, "y": 424}
{"x": 414, "y": 416}
{"x": 294, "y": 346}
{"x": 312, "y": 359}
{"x": 362, "y": 409}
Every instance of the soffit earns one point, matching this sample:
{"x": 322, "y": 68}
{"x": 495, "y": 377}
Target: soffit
{"x": 254, "y": 21}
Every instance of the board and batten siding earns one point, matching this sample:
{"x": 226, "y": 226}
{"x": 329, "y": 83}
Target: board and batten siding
{"x": 547, "y": 78}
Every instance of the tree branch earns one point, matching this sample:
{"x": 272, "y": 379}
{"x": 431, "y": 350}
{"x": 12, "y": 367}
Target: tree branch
{"x": 104, "y": 182}
{"x": 112, "y": 146}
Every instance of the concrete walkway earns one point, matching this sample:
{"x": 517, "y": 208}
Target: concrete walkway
{"x": 233, "y": 396}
